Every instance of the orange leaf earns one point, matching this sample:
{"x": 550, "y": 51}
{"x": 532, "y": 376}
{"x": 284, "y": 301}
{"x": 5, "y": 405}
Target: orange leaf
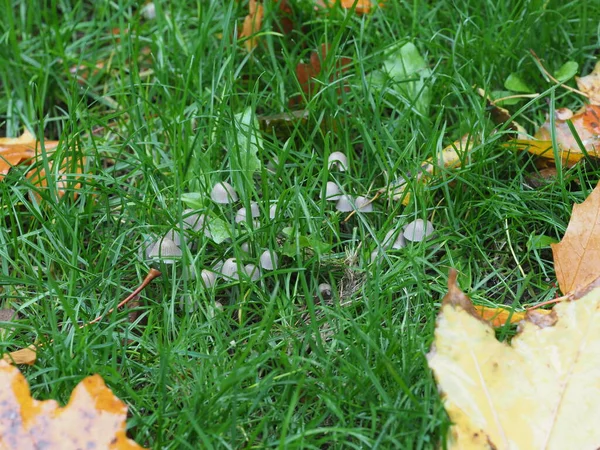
{"x": 252, "y": 24}
{"x": 14, "y": 151}
{"x": 577, "y": 256}
{"x": 499, "y": 316}
{"x": 93, "y": 418}
{"x": 23, "y": 356}
{"x": 590, "y": 85}
{"x": 362, "y": 6}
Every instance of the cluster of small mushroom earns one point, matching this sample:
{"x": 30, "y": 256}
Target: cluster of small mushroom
{"x": 416, "y": 231}
{"x": 344, "y": 202}
{"x": 169, "y": 247}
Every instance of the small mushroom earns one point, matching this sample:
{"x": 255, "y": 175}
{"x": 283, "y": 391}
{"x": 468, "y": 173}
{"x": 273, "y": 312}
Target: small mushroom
{"x": 364, "y": 205}
{"x": 252, "y": 272}
{"x": 229, "y": 269}
{"x": 245, "y": 247}
{"x": 376, "y": 256}
{"x": 344, "y": 203}
{"x": 273, "y": 211}
{"x": 338, "y": 160}
{"x": 389, "y": 241}
{"x": 196, "y": 222}
{"x": 418, "y": 230}
{"x": 208, "y": 278}
{"x": 175, "y": 235}
{"x": 165, "y": 249}
{"x": 149, "y": 11}
{"x": 332, "y": 192}
{"x": 268, "y": 260}
{"x": 325, "y": 290}
{"x": 223, "y": 193}
{"x": 242, "y": 213}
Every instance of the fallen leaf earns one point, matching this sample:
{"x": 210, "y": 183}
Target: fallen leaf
{"x": 252, "y": 24}
{"x": 539, "y": 392}
{"x": 26, "y": 355}
{"x": 14, "y": 151}
{"x": 590, "y": 85}
{"x": 587, "y": 124}
{"x": 360, "y": 6}
{"x": 577, "y": 255}
{"x": 93, "y": 418}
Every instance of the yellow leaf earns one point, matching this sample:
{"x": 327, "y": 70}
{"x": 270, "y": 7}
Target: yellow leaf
{"x": 577, "y": 255}
{"x": 252, "y": 24}
{"x": 540, "y": 392}
{"x": 93, "y": 418}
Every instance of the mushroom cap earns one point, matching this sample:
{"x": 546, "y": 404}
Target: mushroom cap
{"x": 242, "y": 213}
{"x": 332, "y": 191}
{"x": 165, "y": 249}
{"x": 245, "y": 247}
{"x": 344, "y": 203}
{"x": 208, "y": 278}
{"x": 229, "y": 269}
{"x": 273, "y": 211}
{"x": 376, "y": 255}
{"x": 325, "y": 290}
{"x": 252, "y": 272}
{"x": 389, "y": 241}
{"x": 418, "y": 230}
{"x": 268, "y": 260}
{"x": 338, "y": 160}
{"x": 223, "y": 193}
{"x": 149, "y": 11}
{"x": 363, "y": 204}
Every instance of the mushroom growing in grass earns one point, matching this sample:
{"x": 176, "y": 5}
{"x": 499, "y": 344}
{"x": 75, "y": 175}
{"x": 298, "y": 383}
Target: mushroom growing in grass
{"x": 363, "y": 204}
{"x": 418, "y": 230}
{"x": 252, "y": 272}
{"x": 273, "y": 211}
{"x": 208, "y": 278}
{"x": 166, "y": 250}
{"x": 397, "y": 243}
{"x": 229, "y": 269}
{"x": 337, "y": 160}
{"x": 223, "y": 193}
{"x": 332, "y": 192}
{"x": 242, "y": 214}
{"x": 268, "y": 260}
{"x": 345, "y": 203}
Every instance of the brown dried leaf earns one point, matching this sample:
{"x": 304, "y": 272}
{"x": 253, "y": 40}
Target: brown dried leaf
{"x": 93, "y": 418}
{"x": 252, "y": 24}
{"x": 577, "y": 256}
{"x": 590, "y": 85}
{"x": 14, "y": 151}
{"x": 26, "y": 355}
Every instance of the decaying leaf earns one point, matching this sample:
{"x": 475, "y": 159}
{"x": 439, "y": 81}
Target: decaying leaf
{"x": 252, "y": 24}
{"x": 361, "y": 6}
{"x": 541, "y": 391}
{"x": 577, "y": 256}
{"x": 590, "y": 85}
{"x": 14, "y": 151}
{"x": 26, "y": 356}
{"x": 93, "y": 418}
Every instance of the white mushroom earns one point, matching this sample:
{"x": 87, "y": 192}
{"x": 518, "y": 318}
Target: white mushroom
{"x": 273, "y": 211}
{"x": 245, "y": 247}
{"x": 166, "y": 250}
{"x": 332, "y": 192}
{"x": 345, "y": 203}
{"x": 252, "y": 272}
{"x": 325, "y": 290}
{"x": 364, "y": 205}
{"x": 418, "y": 230}
{"x": 268, "y": 260}
{"x": 229, "y": 269}
{"x": 196, "y": 222}
{"x": 149, "y": 11}
{"x": 338, "y": 160}
{"x": 223, "y": 193}
{"x": 389, "y": 241}
{"x": 242, "y": 213}
{"x": 208, "y": 278}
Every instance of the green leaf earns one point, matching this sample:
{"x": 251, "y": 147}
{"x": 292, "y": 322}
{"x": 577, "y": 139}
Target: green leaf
{"x": 409, "y": 73}
{"x": 219, "y": 229}
{"x": 515, "y": 83}
{"x": 194, "y": 200}
{"x": 540, "y": 241}
{"x": 247, "y": 142}
{"x": 494, "y": 95}
{"x": 567, "y": 71}
{"x": 295, "y": 245}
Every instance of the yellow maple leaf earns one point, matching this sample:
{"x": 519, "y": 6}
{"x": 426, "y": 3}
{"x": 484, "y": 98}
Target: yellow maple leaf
{"x": 539, "y": 392}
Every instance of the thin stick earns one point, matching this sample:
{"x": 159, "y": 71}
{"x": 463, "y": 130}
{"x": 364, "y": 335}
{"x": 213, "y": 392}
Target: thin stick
{"x": 539, "y": 61}
{"x": 152, "y": 274}
{"x": 375, "y": 197}
{"x": 549, "y": 302}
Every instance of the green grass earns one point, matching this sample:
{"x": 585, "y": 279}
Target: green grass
{"x": 277, "y": 366}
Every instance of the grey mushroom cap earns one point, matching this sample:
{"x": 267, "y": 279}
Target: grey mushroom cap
{"x": 268, "y": 260}
{"x": 208, "y": 278}
{"x": 345, "y": 203}
{"x": 338, "y": 161}
{"x": 252, "y": 272}
{"x": 332, "y": 192}
{"x": 242, "y": 213}
{"x": 229, "y": 269}
{"x": 325, "y": 290}
{"x": 165, "y": 249}
{"x": 418, "y": 230}
{"x": 390, "y": 242}
{"x": 364, "y": 205}
{"x": 273, "y": 211}
{"x": 223, "y": 193}
{"x": 197, "y": 222}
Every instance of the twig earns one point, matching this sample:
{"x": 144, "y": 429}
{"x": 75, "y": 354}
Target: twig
{"x": 151, "y": 276}
{"x": 375, "y": 197}
{"x": 539, "y": 61}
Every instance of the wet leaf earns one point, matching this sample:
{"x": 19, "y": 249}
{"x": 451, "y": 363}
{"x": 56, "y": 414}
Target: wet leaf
{"x": 531, "y": 394}
{"x": 590, "y": 85}
{"x": 577, "y": 255}
{"x": 567, "y": 71}
{"x": 93, "y": 418}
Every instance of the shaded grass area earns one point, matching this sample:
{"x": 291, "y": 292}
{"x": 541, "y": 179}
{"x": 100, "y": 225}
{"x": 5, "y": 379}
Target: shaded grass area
{"x": 278, "y": 365}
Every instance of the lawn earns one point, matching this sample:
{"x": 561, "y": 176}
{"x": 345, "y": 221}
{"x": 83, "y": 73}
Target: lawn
{"x": 160, "y": 109}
